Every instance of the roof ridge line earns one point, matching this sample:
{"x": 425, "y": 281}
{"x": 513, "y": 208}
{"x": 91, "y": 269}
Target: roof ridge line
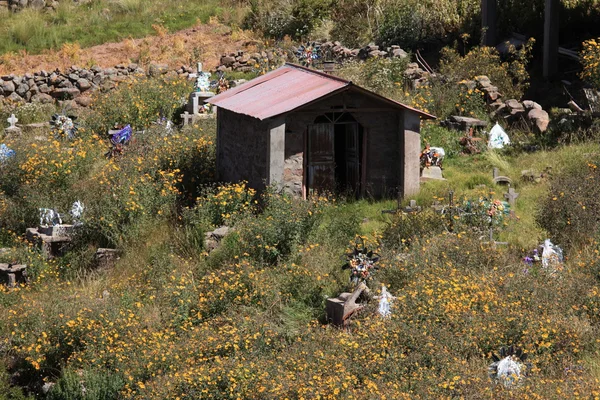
{"x": 319, "y": 73}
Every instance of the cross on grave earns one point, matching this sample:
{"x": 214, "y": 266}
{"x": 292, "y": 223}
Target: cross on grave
{"x": 187, "y": 118}
{"x": 511, "y": 196}
{"x": 12, "y": 121}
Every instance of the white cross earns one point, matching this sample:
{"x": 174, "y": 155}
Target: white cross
{"x": 12, "y": 120}
{"x": 187, "y": 118}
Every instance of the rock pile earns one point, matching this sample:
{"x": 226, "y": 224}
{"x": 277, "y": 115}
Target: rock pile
{"x": 17, "y": 5}
{"x": 512, "y": 110}
{"x": 246, "y": 62}
{"x": 75, "y": 82}
{"x": 330, "y": 51}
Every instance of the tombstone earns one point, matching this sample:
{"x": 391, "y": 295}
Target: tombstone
{"x": 500, "y": 179}
{"x": 341, "y": 308}
{"x": 13, "y": 129}
{"x": 106, "y": 258}
{"x": 412, "y": 207}
{"x": 187, "y": 118}
{"x": 53, "y": 237}
{"x": 198, "y": 98}
{"x": 14, "y": 273}
{"x": 432, "y": 173}
{"x": 511, "y": 196}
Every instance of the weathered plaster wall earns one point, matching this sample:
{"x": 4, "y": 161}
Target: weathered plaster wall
{"x": 242, "y": 146}
{"x": 383, "y": 172}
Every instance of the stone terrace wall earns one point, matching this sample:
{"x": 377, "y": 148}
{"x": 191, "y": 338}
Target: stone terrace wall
{"x": 16, "y": 5}
{"x": 75, "y": 82}
{"x": 333, "y": 51}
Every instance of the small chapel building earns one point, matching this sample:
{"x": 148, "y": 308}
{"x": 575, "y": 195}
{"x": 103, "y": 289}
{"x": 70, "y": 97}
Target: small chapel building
{"x": 305, "y": 131}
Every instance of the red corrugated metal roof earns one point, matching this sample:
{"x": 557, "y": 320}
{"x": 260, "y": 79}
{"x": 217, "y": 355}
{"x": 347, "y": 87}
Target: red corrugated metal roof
{"x": 286, "y": 89}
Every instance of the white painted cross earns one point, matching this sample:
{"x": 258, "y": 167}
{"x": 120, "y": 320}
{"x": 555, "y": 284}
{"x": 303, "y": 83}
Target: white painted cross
{"x": 187, "y": 118}
{"x": 12, "y": 120}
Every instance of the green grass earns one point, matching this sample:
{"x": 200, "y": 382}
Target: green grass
{"x": 100, "y": 21}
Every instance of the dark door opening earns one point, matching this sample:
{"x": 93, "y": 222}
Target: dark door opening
{"x": 335, "y": 154}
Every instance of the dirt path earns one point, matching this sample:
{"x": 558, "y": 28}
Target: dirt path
{"x": 205, "y": 41}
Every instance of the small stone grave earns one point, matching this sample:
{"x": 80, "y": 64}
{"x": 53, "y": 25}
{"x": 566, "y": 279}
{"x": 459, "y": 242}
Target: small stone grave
{"x": 197, "y": 107}
{"x": 340, "y": 309}
{"x": 212, "y": 240}
{"x": 13, "y": 274}
{"x": 500, "y": 179}
{"x": 107, "y": 258}
{"x": 432, "y": 173}
{"x": 53, "y": 240}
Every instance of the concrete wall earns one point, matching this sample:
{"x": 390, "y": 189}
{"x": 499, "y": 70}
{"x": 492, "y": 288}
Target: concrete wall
{"x": 410, "y": 150}
{"x": 242, "y": 147}
{"x": 250, "y": 149}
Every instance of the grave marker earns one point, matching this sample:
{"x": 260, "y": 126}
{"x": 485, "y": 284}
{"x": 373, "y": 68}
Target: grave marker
{"x": 511, "y": 196}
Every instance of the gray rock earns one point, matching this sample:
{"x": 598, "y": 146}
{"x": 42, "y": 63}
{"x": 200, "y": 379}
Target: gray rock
{"x": 15, "y": 98}
{"x": 399, "y": 53}
{"x": 83, "y": 84}
{"x": 158, "y": 69}
{"x": 73, "y": 77}
{"x": 65, "y": 84}
{"x": 227, "y": 61}
{"x": 44, "y": 88}
{"x": 96, "y": 69}
{"x": 83, "y": 101}
{"x": 42, "y": 98}
{"x": 22, "y": 89}
{"x": 110, "y": 71}
{"x": 8, "y": 87}
{"x": 65, "y": 93}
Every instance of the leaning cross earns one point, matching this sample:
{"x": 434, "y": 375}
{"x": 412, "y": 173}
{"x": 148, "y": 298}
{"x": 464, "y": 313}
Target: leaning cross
{"x": 511, "y": 196}
{"x": 187, "y": 118}
{"x": 12, "y": 120}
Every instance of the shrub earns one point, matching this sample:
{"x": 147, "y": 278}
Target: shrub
{"x": 590, "y": 58}
{"x": 139, "y": 103}
{"x": 569, "y": 212}
{"x": 439, "y": 136}
{"x": 284, "y": 223}
{"x": 223, "y": 205}
{"x": 294, "y": 18}
{"x": 509, "y": 76}
{"x": 411, "y": 23}
{"x": 404, "y": 229}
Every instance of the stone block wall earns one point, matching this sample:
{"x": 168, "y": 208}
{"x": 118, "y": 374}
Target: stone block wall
{"x": 75, "y": 83}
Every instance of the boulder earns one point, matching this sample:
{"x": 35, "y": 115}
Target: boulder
{"x": 158, "y": 69}
{"x": 65, "y": 93}
{"x": 399, "y": 53}
{"x": 540, "y": 119}
{"x": 83, "y": 101}
{"x": 42, "y": 98}
{"x": 15, "y": 98}
{"x": 7, "y": 86}
{"x": 83, "y": 84}
{"x": 22, "y": 89}
{"x": 529, "y": 104}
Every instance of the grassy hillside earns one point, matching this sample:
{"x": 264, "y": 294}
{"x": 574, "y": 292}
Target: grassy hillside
{"x": 170, "y": 320}
{"x": 102, "y": 21}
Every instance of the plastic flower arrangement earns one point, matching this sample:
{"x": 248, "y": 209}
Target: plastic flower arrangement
{"x": 362, "y": 263}
{"x": 308, "y": 53}
{"x": 510, "y": 368}
{"x": 63, "y": 127}
{"x": 490, "y": 211}
{"x": 5, "y": 153}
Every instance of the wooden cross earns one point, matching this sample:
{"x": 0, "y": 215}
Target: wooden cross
{"x": 187, "y": 118}
{"x": 511, "y": 196}
{"x": 12, "y": 120}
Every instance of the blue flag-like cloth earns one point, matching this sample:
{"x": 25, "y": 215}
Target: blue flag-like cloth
{"x": 122, "y": 136}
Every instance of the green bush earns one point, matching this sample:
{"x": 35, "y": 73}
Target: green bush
{"x": 139, "y": 102}
{"x": 570, "y": 211}
{"x": 509, "y": 76}
{"x": 294, "y": 18}
{"x": 89, "y": 384}
{"x": 404, "y": 229}
{"x": 438, "y": 136}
